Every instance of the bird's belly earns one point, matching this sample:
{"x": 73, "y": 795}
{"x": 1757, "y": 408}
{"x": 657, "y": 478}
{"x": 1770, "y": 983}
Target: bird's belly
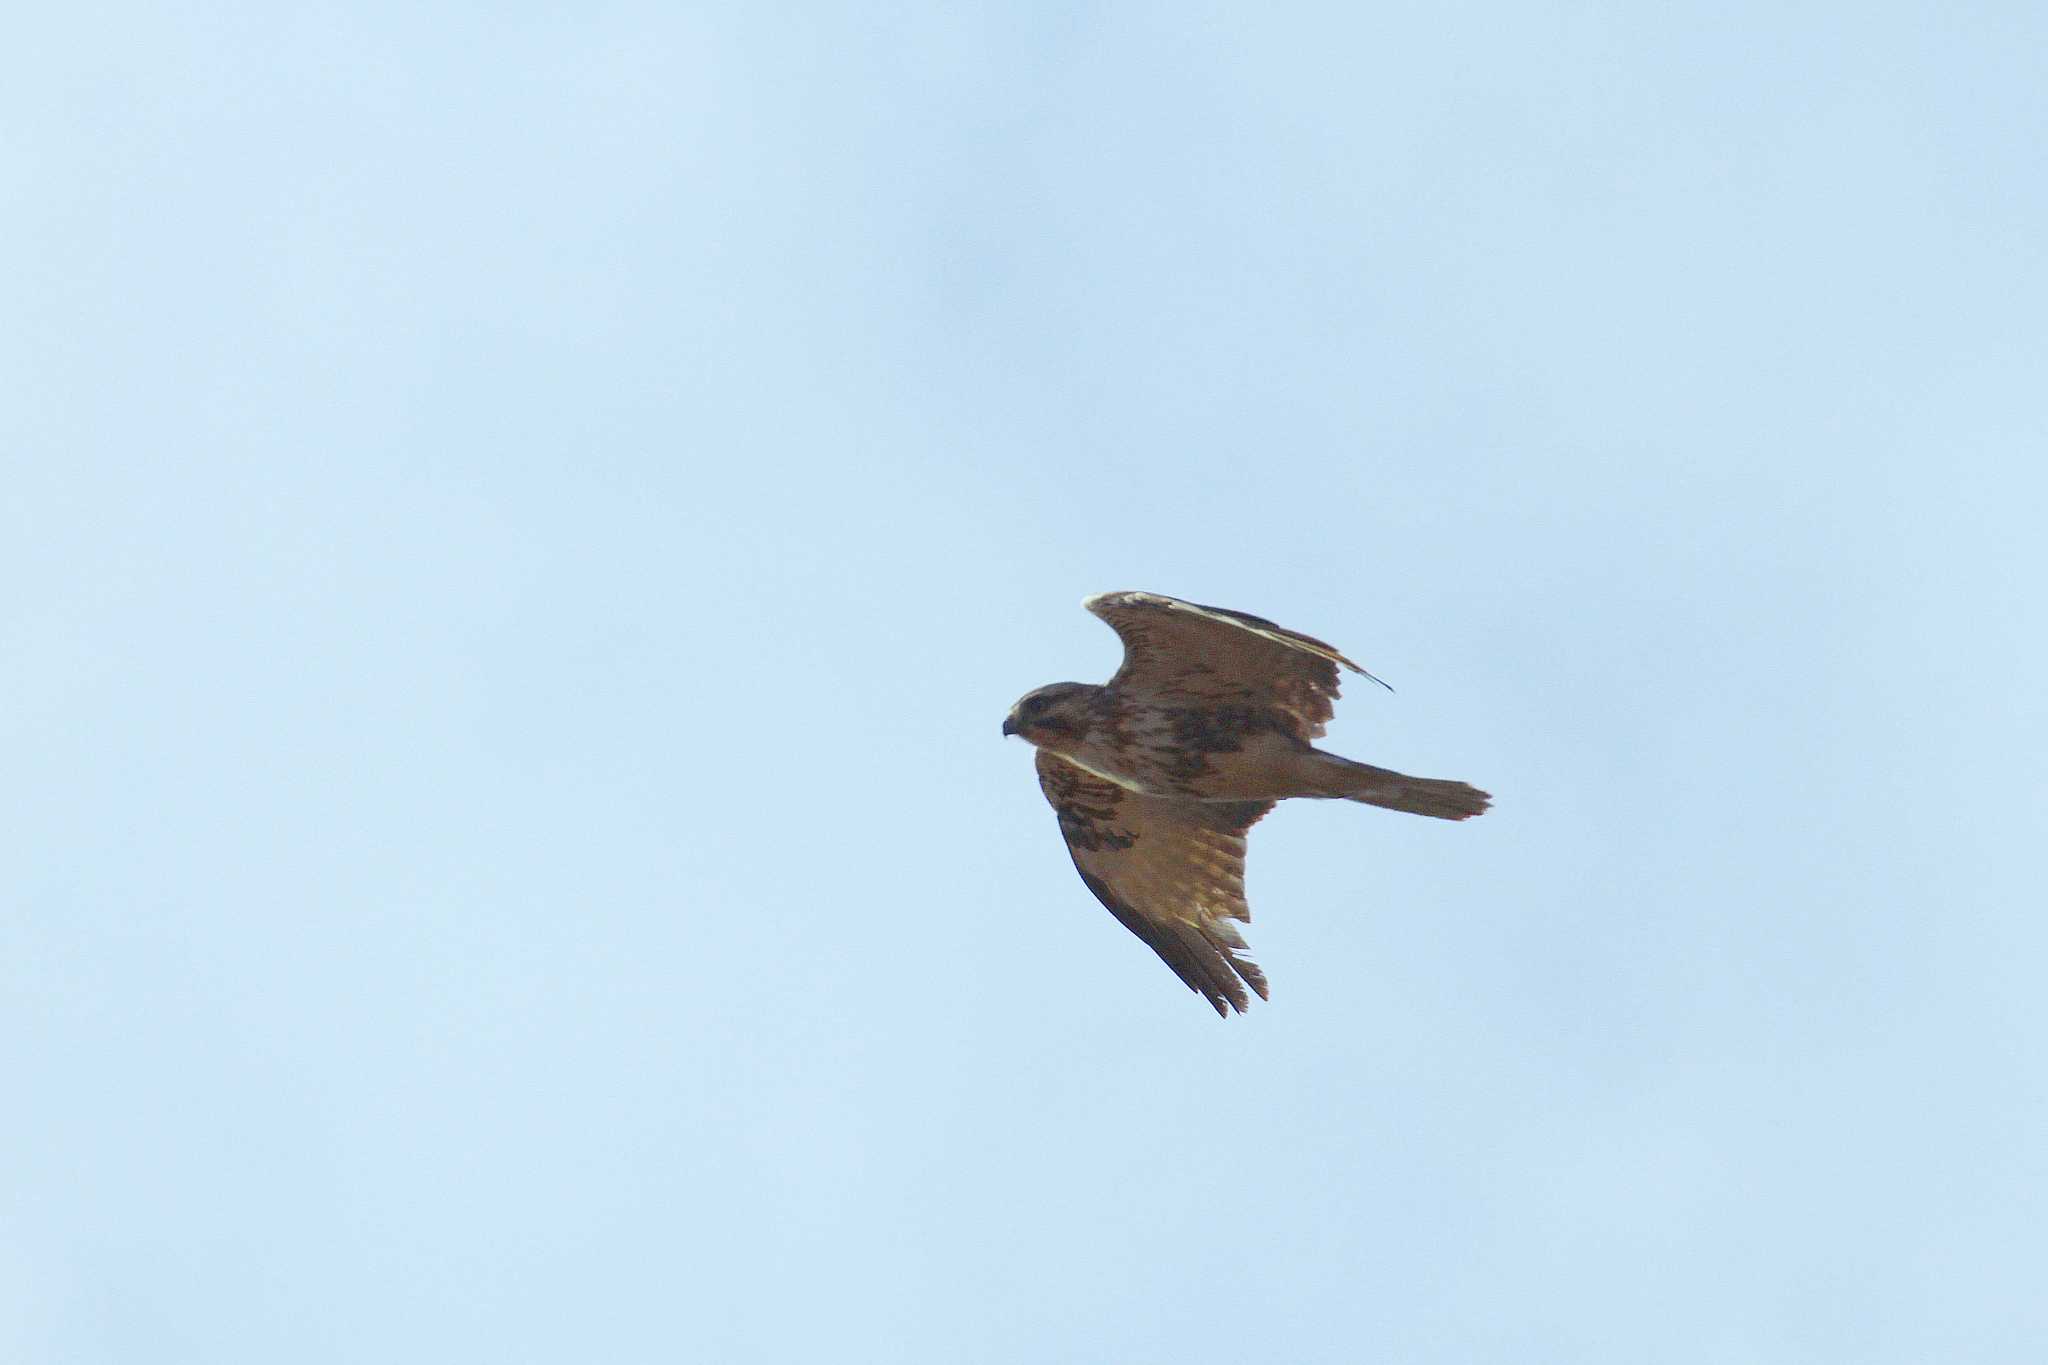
{"x": 1155, "y": 762}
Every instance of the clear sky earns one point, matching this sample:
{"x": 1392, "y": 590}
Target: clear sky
{"x": 521, "y": 525}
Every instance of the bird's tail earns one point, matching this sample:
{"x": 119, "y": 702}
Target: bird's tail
{"x": 1341, "y": 779}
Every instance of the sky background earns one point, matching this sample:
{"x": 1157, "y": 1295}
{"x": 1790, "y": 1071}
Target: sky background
{"x": 521, "y": 524}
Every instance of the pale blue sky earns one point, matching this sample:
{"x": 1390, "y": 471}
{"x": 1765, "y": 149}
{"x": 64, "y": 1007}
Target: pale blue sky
{"x": 522, "y": 524}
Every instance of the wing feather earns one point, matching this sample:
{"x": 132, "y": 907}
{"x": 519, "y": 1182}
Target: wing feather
{"x": 1171, "y": 871}
{"x": 1179, "y": 650}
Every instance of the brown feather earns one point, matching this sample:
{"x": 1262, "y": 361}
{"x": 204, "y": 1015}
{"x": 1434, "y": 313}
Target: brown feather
{"x": 1170, "y": 870}
{"x": 1183, "y": 651}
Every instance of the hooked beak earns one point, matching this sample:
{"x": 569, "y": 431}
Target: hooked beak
{"x": 1009, "y": 726}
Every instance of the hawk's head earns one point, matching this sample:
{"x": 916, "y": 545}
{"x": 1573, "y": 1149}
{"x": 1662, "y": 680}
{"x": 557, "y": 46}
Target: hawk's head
{"x": 1055, "y": 713}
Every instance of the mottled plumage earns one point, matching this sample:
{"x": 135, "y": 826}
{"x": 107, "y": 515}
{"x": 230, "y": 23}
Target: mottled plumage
{"x": 1156, "y": 777}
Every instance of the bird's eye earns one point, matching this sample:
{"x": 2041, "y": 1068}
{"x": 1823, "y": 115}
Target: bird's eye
{"x": 1035, "y": 705}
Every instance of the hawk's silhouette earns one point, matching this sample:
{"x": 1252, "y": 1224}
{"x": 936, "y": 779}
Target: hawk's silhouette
{"x": 1157, "y": 776}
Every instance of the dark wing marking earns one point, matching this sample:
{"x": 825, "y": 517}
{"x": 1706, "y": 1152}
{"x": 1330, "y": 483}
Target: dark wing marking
{"x": 1172, "y": 872}
{"x": 1179, "y": 650}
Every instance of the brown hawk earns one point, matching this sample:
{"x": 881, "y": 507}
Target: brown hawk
{"x": 1156, "y": 777}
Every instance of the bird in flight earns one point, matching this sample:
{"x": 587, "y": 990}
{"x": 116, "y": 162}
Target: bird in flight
{"x": 1156, "y": 776}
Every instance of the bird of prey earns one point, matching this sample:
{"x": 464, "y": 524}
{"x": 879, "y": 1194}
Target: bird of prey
{"x": 1156, "y": 777}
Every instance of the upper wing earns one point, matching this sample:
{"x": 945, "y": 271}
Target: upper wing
{"x": 1171, "y": 871}
{"x": 1210, "y": 654}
